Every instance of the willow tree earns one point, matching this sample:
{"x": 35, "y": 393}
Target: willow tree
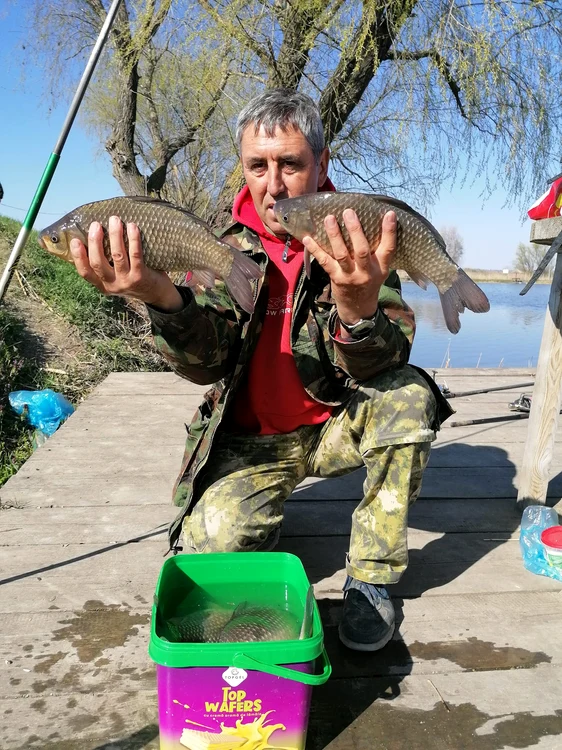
{"x": 411, "y": 91}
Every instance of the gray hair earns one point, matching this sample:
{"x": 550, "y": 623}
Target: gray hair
{"x": 283, "y": 108}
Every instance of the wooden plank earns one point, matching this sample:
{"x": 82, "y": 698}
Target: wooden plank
{"x": 55, "y": 651}
{"x": 449, "y": 564}
{"x": 486, "y": 434}
{"x": 109, "y": 524}
{"x": 477, "y": 711}
{"x": 148, "y": 383}
{"x": 45, "y": 591}
{"x": 111, "y": 410}
{"x": 333, "y": 517}
{"x": 486, "y": 710}
{"x": 547, "y": 399}
{"x": 88, "y": 721}
{"x": 437, "y": 482}
{"x": 439, "y": 564}
{"x": 545, "y": 231}
{"x": 34, "y": 491}
{"x": 345, "y": 714}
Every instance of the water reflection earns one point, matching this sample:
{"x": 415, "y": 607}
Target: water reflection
{"x": 429, "y": 312}
{"x": 526, "y": 317}
{"x": 508, "y": 335}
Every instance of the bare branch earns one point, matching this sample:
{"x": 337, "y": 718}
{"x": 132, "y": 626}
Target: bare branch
{"x": 442, "y": 66}
{"x": 359, "y": 61}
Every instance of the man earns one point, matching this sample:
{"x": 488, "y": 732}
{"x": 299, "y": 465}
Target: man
{"x": 314, "y": 383}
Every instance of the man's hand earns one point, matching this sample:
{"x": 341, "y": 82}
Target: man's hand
{"x": 358, "y": 276}
{"x": 128, "y": 276}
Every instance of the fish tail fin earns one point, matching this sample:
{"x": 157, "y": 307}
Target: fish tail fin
{"x": 462, "y": 294}
{"x": 238, "y": 281}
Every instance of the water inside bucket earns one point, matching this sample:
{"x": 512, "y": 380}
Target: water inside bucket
{"x": 233, "y": 612}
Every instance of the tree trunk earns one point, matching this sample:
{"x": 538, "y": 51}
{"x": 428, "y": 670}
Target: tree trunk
{"x": 121, "y": 143}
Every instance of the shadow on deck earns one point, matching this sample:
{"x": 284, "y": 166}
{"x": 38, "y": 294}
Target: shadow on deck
{"x": 475, "y": 660}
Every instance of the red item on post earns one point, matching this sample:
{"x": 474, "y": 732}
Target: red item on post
{"x": 548, "y": 205}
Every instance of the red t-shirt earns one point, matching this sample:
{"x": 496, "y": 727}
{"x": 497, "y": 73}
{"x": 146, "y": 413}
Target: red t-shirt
{"x": 272, "y": 398}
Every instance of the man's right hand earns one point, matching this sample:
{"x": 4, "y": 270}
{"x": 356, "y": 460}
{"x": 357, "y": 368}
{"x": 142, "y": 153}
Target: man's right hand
{"x": 129, "y": 276}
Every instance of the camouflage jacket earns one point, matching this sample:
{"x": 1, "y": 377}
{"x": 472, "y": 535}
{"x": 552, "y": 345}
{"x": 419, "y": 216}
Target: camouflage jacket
{"x": 212, "y": 340}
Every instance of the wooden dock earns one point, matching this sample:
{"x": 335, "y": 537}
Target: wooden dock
{"x": 475, "y": 664}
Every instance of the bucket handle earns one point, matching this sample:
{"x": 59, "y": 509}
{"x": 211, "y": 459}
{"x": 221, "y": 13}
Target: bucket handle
{"x": 247, "y": 662}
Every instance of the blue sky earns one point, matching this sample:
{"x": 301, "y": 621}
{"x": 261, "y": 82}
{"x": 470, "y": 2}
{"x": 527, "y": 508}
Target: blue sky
{"x": 29, "y": 131}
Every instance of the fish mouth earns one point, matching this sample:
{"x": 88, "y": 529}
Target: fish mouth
{"x": 42, "y": 243}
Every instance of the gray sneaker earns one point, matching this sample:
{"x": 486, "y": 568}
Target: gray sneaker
{"x": 368, "y": 618}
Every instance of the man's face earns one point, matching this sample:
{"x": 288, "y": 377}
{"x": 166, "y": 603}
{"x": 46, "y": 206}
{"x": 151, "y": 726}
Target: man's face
{"x": 282, "y": 166}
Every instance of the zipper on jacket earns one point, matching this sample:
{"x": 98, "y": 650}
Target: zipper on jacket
{"x": 286, "y": 248}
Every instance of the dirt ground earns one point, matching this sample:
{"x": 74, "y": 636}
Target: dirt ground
{"x": 48, "y": 339}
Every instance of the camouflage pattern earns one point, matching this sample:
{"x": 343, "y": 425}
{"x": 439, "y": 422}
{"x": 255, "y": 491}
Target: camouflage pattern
{"x": 387, "y": 426}
{"x": 211, "y": 341}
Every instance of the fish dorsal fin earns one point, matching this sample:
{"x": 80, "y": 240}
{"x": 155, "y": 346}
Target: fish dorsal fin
{"x": 403, "y": 206}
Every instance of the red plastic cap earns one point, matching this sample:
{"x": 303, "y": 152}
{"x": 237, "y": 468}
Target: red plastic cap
{"x": 552, "y": 537}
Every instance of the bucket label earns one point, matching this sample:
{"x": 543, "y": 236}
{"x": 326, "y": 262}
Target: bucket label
{"x": 234, "y": 676}
{"x": 199, "y": 712}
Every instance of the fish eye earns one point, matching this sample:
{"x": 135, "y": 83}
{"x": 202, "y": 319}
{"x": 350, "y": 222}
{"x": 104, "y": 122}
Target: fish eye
{"x": 54, "y": 238}
{"x": 285, "y": 217}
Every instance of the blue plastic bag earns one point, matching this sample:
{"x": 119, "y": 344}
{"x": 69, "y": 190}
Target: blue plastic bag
{"x": 537, "y": 518}
{"x": 45, "y": 410}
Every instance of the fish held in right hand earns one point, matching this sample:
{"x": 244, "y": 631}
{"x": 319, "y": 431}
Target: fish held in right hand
{"x": 172, "y": 240}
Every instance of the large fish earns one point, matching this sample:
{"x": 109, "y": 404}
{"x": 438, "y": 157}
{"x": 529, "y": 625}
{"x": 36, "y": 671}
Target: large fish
{"x": 420, "y": 251}
{"x": 172, "y": 240}
{"x": 244, "y": 624}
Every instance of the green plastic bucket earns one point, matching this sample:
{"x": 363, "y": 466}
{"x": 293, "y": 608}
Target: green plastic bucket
{"x": 235, "y": 696}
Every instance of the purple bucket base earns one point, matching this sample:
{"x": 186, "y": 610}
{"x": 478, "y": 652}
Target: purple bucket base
{"x": 267, "y": 711}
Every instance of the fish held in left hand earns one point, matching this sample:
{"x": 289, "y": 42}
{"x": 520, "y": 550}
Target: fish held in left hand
{"x": 420, "y": 249}
{"x": 173, "y": 240}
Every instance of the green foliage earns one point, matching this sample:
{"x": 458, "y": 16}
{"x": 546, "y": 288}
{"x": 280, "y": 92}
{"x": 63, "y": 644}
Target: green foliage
{"x": 16, "y": 373}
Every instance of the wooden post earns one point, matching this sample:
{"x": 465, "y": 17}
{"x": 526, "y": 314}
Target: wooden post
{"x": 547, "y": 393}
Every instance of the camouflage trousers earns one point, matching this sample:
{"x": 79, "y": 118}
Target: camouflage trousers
{"x": 387, "y": 426}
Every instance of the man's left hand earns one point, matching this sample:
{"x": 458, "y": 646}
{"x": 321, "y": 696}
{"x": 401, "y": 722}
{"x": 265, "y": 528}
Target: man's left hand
{"x": 356, "y": 276}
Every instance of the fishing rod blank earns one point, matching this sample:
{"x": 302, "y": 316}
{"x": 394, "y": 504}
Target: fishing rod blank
{"x": 450, "y": 394}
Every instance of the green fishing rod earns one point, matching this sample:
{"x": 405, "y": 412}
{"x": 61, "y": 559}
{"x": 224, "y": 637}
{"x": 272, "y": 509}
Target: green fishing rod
{"x": 53, "y": 161}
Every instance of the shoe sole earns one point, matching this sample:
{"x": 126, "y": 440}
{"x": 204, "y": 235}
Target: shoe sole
{"x": 367, "y": 646}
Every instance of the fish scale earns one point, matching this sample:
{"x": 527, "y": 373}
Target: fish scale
{"x": 243, "y": 624}
{"x": 173, "y": 240}
{"x": 420, "y": 249}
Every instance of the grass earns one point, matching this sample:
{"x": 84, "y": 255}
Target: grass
{"x": 499, "y": 277}
{"x": 16, "y": 373}
{"x": 115, "y": 337}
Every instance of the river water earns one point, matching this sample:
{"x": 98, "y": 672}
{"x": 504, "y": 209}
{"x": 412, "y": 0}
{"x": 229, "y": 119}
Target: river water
{"x": 509, "y": 335}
